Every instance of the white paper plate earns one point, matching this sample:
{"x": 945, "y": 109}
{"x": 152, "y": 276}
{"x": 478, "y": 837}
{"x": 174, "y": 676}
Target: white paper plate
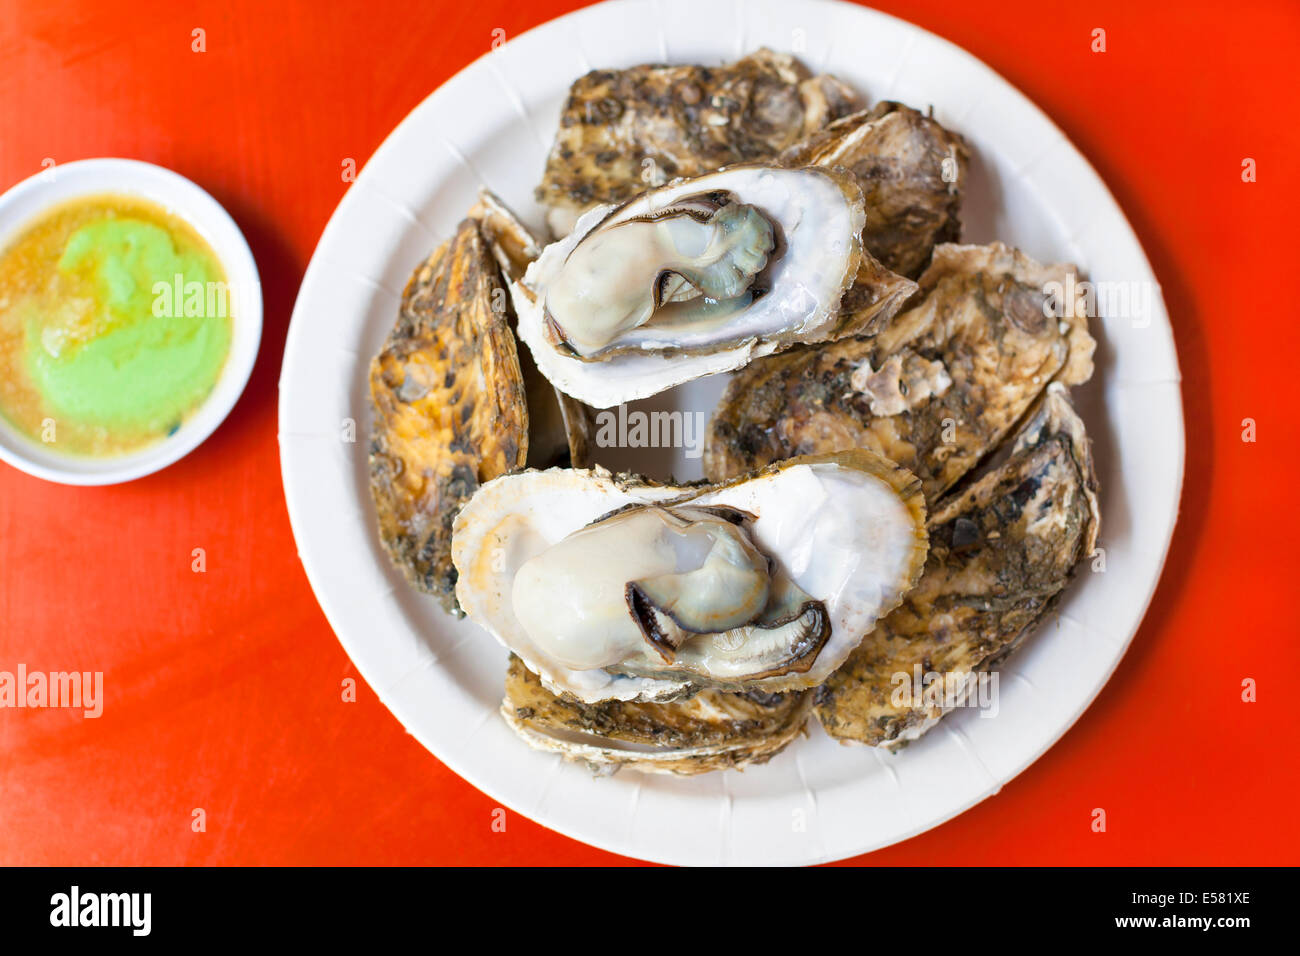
{"x": 492, "y": 124}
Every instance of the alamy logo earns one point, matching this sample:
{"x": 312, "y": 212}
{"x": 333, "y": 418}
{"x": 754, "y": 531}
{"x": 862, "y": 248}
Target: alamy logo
{"x": 75, "y": 908}
{"x": 638, "y": 429}
{"x": 946, "y": 690}
{"x": 204, "y": 300}
{"x": 83, "y": 690}
{"x": 191, "y": 299}
{"x": 1133, "y": 300}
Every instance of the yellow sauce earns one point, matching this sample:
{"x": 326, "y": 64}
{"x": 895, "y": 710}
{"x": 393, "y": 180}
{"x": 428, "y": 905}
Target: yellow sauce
{"x": 115, "y": 324}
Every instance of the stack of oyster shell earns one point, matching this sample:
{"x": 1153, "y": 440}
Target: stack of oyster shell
{"x": 895, "y": 479}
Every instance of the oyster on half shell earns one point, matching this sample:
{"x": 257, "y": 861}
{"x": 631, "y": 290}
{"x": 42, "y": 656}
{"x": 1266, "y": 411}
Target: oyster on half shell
{"x": 616, "y": 588}
{"x": 1001, "y": 552}
{"x": 702, "y": 276}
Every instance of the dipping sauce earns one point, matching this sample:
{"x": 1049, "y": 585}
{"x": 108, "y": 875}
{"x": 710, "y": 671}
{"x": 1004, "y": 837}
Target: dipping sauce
{"x": 115, "y": 323}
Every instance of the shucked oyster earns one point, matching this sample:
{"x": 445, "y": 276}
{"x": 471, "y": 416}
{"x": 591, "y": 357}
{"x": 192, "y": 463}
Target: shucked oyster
{"x": 699, "y": 277}
{"x": 1000, "y": 553}
{"x": 713, "y": 730}
{"x": 935, "y": 391}
{"x": 614, "y": 588}
{"x": 912, "y": 172}
{"x": 623, "y": 131}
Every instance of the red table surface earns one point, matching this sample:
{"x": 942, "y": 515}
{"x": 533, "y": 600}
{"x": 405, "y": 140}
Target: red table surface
{"x": 222, "y": 689}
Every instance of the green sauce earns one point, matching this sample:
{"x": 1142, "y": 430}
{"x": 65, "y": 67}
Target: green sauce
{"x": 145, "y": 371}
{"x": 125, "y": 324}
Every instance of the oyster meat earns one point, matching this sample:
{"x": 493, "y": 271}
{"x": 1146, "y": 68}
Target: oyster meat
{"x": 912, "y": 172}
{"x": 1000, "y": 553}
{"x": 613, "y": 588}
{"x": 700, "y": 277}
{"x": 935, "y": 391}
{"x": 713, "y": 730}
{"x": 623, "y": 131}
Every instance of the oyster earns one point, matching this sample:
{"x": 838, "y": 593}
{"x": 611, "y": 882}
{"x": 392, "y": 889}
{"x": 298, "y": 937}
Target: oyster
{"x": 1000, "y": 553}
{"x": 557, "y": 423}
{"x": 711, "y": 731}
{"x": 935, "y": 391}
{"x": 699, "y": 277}
{"x": 912, "y": 172}
{"x": 623, "y": 131}
{"x": 449, "y": 408}
{"x": 454, "y": 401}
{"x": 616, "y": 588}
{"x": 513, "y": 244}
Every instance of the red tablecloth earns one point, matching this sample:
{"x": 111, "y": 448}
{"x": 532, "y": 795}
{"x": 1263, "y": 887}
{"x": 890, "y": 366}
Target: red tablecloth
{"x": 223, "y": 688}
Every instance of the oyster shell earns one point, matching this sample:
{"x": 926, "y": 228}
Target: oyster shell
{"x": 616, "y": 588}
{"x": 623, "y": 131}
{"x": 557, "y": 422}
{"x": 454, "y": 402}
{"x": 912, "y": 172}
{"x": 513, "y": 244}
{"x": 1000, "y": 553}
{"x": 700, "y": 277}
{"x": 711, "y": 731}
{"x": 935, "y": 391}
{"x": 449, "y": 408}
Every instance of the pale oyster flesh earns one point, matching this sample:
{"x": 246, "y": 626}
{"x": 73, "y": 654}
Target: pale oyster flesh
{"x": 656, "y": 589}
{"x": 700, "y": 277}
{"x": 803, "y": 557}
{"x": 700, "y": 256}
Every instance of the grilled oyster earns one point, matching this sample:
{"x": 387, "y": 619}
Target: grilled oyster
{"x": 454, "y": 402}
{"x": 449, "y": 409}
{"x": 711, "y": 731}
{"x": 513, "y": 244}
{"x": 1000, "y": 553}
{"x": 699, "y": 277}
{"x": 912, "y": 172}
{"x": 935, "y": 391}
{"x": 557, "y": 423}
{"x": 623, "y": 131}
{"x": 616, "y": 588}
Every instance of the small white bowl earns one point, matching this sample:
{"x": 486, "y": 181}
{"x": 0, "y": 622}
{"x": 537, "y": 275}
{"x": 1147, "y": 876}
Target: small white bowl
{"x": 182, "y": 198}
